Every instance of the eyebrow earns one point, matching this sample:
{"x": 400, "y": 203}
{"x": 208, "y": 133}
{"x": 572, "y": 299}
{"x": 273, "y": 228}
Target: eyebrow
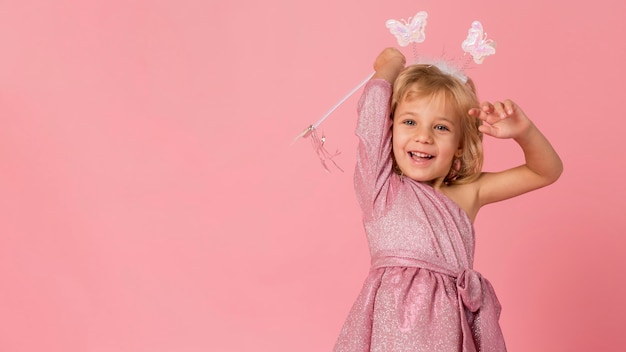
{"x": 443, "y": 118}
{"x": 438, "y": 118}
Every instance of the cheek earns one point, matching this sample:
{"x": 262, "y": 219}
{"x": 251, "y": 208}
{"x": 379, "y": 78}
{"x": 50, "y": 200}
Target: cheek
{"x": 397, "y": 141}
{"x": 395, "y": 146}
{"x": 398, "y": 136}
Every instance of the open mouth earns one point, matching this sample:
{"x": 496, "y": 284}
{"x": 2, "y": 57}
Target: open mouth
{"x": 418, "y": 156}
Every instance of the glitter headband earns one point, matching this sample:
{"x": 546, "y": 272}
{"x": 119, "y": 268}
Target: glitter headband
{"x": 408, "y": 32}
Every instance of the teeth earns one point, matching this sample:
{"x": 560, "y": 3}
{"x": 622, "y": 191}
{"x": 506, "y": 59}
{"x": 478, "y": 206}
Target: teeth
{"x": 421, "y": 155}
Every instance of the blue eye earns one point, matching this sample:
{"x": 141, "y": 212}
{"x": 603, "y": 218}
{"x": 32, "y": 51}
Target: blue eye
{"x": 409, "y": 122}
{"x": 441, "y": 128}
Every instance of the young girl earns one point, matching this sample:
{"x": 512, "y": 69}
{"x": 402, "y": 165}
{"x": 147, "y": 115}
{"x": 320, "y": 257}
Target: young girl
{"x": 419, "y": 185}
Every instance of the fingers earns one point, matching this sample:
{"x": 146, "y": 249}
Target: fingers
{"x": 502, "y": 119}
{"x": 489, "y": 111}
{"x": 474, "y": 112}
{"x": 488, "y": 130}
{"x": 496, "y": 108}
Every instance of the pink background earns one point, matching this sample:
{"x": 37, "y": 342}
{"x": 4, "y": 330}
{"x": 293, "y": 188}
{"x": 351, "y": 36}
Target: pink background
{"x": 150, "y": 199}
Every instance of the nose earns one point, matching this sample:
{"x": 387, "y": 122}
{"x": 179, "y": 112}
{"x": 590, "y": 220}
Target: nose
{"x": 423, "y": 135}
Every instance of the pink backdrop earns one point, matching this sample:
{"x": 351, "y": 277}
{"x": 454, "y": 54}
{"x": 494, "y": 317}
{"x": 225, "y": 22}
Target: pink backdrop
{"x": 150, "y": 199}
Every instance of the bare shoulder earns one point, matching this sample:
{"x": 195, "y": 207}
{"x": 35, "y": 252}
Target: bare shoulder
{"x": 466, "y": 196}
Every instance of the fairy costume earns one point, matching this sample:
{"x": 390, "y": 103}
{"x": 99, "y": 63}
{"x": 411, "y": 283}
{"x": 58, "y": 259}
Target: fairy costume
{"x": 421, "y": 293}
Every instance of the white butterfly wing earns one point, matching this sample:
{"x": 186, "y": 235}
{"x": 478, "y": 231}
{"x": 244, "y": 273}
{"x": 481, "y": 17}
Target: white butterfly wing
{"x": 400, "y": 31}
{"x": 474, "y": 36}
{"x": 476, "y": 43}
{"x": 484, "y": 49}
{"x": 407, "y": 33}
{"x": 417, "y": 26}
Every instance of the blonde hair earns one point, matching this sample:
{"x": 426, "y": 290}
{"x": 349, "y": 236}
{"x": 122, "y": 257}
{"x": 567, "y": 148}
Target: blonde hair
{"x": 428, "y": 81}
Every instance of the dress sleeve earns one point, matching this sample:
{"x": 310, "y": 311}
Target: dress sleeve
{"x": 374, "y": 163}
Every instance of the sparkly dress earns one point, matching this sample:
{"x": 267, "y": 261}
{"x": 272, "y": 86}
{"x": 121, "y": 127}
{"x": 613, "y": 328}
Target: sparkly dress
{"x": 421, "y": 293}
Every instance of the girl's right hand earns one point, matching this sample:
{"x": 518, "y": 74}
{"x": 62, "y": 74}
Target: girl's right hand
{"x": 388, "y": 64}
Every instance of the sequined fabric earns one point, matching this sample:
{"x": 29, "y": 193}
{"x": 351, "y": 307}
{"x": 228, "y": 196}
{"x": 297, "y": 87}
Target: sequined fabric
{"x": 421, "y": 293}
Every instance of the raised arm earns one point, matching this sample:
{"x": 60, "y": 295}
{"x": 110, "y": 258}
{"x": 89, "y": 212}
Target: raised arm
{"x": 374, "y": 164}
{"x": 543, "y": 165}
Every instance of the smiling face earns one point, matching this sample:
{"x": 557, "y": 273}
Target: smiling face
{"x": 426, "y": 137}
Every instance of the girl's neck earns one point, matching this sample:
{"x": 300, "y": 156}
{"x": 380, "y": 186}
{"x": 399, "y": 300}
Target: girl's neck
{"x": 436, "y": 183}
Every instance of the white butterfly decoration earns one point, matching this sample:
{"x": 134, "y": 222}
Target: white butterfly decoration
{"x": 477, "y": 43}
{"x": 407, "y": 32}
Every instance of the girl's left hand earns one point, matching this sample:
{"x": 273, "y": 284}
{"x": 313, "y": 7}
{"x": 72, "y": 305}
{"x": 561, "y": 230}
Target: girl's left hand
{"x": 502, "y": 119}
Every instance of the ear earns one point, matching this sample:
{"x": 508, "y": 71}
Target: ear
{"x": 458, "y": 153}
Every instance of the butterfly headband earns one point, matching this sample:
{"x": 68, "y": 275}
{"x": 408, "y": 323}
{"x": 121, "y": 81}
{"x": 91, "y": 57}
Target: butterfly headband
{"x": 407, "y": 32}
{"x": 411, "y": 32}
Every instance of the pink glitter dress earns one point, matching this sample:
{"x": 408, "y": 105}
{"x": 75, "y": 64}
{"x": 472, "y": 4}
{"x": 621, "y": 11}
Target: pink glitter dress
{"x": 421, "y": 293}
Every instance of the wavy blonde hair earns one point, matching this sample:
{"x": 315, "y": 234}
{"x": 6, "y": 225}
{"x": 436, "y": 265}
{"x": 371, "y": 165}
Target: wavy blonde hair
{"x": 427, "y": 81}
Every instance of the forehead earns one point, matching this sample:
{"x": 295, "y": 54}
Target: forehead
{"x": 456, "y": 101}
{"x": 435, "y": 90}
{"x": 437, "y": 102}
